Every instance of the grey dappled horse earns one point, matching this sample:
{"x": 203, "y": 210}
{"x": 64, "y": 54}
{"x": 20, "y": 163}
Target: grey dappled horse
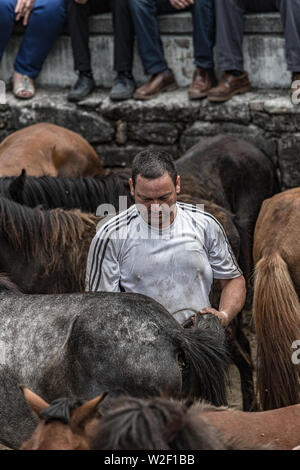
{"x": 78, "y": 345}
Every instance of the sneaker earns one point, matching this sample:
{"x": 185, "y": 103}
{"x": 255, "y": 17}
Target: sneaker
{"x": 123, "y": 88}
{"x": 82, "y": 88}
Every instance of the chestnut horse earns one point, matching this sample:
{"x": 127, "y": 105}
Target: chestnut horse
{"x": 129, "y": 423}
{"x": 276, "y": 307}
{"x": 47, "y": 149}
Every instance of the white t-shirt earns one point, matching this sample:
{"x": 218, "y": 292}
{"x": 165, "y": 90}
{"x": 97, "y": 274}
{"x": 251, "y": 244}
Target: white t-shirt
{"x": 174, "y": 266}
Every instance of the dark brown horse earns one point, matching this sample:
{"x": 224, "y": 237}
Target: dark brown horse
{"x": 49, "y": 192}
{"x": 128, "y": 423}
{"x": 47, "y": 149}
{"x": 44, "y": 251}
{"x": 276, "y": 307}
{"x": 235, "y": 175}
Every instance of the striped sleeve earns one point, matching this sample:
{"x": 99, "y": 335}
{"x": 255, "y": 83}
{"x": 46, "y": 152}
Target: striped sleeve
{"x": 220, "y": 254}
{"x": 103, "y": 271}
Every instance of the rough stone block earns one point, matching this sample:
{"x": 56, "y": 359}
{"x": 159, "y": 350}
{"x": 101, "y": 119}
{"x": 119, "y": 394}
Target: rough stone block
{"x": 236, "y": 109}
{"x": 289, "y": 161}
{"x": 162, "y": 133}
{"x": 115, "y": 156}
{"x": 168, "y": 107}
{"x": 49, "y": 107}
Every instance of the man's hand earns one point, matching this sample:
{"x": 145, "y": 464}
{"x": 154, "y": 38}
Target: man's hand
{"x": 23, "y": 10}
{"x": 82, "y": 2}
{"x": 181, "y": 4}
{"x": 223, "y": 316}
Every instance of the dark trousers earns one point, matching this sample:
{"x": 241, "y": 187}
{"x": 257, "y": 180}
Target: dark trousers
{"x": 78, "y": 19}
{"x": 230, "y": 26}
{"x": 144, "y": 15}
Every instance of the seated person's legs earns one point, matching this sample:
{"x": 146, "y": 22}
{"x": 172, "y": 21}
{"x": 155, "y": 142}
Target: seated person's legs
{"x": 124, "y": 85}
{"x": 229, "y": 40}
{"x": 229, "y": 50}
{"x": 45, "y": 23}
{"x": 203, "y": 39}
{"x": 78, "y": 23}
{"x": 7, "y": 18}
{"x": 144, "y": 15}
{"x": 290, "y": 17}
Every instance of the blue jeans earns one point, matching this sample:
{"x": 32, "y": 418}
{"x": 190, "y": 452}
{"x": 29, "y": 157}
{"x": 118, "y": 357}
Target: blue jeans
{"x": 45, "y": 24}
{"x": 144, "y": 15}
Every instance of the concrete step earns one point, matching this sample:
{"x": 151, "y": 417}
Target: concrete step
{"x": 263, "y": 51}
{"x": 170, "y": 121}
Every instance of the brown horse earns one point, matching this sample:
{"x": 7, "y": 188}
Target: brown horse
{"x": 276, "y": 307}
{"x": 128, "y": 423}
{"x": 47, "y": 149}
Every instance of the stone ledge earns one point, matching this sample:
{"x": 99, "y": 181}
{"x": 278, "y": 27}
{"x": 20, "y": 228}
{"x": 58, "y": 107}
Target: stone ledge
{"x": 170, "y": 121}
{"x": 181, "y": 23}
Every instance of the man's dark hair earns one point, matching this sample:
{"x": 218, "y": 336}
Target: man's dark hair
{"x": 152, "y": 164}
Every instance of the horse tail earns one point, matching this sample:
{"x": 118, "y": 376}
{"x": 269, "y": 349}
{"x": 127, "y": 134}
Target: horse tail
{"x": 206, "y": 361}
{"x": 276, "y": 312}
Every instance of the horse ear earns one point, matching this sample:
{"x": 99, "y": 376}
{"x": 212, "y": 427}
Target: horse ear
{"x": 36, "y": 403}
{"x": 16, "y": 187}
{"x": 82, "y": 415}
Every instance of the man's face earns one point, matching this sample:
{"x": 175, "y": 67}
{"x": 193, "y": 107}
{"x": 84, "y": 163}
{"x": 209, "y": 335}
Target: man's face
{"x": 156, "y": 199}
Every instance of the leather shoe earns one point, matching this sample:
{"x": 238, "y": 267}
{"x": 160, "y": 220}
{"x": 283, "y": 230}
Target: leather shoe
{"x": 123, "y": 88}
{"x": 295, "y": 88}
{"x": 229, "y": 86}
{"x": 203, "y": 81}
{"x": 158, "y": 83}
{"x": 82, "y": 88}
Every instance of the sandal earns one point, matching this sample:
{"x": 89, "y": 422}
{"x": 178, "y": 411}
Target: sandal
{"x": 23, "y": 86}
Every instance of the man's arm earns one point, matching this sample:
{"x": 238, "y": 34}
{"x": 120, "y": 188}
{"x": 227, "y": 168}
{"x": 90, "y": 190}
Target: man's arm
{"x": 232, "y": 299}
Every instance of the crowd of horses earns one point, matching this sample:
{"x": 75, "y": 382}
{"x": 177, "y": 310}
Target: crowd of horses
{"x": 77, "y": 344}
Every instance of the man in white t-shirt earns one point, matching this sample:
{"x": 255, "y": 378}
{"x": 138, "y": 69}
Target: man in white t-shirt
{"x": 165, "y": 249}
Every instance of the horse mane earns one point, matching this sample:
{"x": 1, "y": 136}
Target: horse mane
{"x": 158, "y": 423}
{"x": 83, "y": 193}
{"x": 152, "y": 424}
{"x": 60, "y": 409}
{"x": 6, "y": 284}
{"x": 51, "y": 237}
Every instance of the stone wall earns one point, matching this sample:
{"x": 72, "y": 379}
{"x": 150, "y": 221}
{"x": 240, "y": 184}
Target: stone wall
{"x": 119, "y": 130}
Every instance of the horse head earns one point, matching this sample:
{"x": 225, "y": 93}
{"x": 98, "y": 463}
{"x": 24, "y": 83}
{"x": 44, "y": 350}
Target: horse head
{"x": 63, "y": 424}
